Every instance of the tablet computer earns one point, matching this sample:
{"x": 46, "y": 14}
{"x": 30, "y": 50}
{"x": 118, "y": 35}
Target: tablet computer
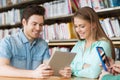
{"x": 103, "y": 57}
{"x": 59, "y": 60}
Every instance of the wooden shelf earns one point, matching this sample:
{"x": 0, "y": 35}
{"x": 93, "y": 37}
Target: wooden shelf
{"x": 23, "y": 4}
{"x": 115, "y": 38}
{"x": 109, "y": 12}
{"x": 11, "y": 26}
{"x": 108, "y": 9}
{"x": 116, "y": 44}
{"x": 73, "y": 41}
{"x": 70, "y": 42}
{"x": 62, "y": 44}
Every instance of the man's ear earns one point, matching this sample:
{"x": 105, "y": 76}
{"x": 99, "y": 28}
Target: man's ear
{"x": 24, "y": 22}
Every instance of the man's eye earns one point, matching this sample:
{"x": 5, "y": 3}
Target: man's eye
{"x": 41, "y": 25}
{"x": 34, "y": 24}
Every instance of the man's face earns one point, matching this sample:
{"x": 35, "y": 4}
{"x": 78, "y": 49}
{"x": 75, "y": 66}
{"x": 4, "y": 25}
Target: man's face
{"x": 33, "y": 27}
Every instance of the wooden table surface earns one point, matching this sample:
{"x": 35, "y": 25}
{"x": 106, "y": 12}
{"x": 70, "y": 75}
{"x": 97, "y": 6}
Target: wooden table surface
{"x": 51, "y": 78}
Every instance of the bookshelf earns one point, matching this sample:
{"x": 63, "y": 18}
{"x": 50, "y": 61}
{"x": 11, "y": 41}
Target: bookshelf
{"x": 116, "y": 42}
{"x": 106, "y": 12}
{"x": 23, "y": 4}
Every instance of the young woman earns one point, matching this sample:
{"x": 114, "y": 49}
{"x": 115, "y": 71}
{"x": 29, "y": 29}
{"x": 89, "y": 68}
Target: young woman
{"x": 91, "y": 35}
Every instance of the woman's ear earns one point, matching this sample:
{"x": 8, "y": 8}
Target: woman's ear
{"x": 94, "y": 26}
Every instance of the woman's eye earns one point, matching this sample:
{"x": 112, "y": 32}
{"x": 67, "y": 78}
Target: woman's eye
{"x": 75, "y": 26}
{"x": 82, "y": 26}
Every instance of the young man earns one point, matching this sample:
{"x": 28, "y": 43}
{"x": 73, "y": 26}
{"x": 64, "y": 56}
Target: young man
{"x": 22, "y": 54}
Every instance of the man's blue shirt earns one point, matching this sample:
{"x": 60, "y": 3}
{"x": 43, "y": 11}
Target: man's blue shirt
{"x": 21, "y": 53}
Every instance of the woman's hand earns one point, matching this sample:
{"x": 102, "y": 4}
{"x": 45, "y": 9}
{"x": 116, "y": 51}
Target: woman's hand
{"x": 102, "y": 74}
{"x": 66, "y": 72}
{"x": 115, "y": 69}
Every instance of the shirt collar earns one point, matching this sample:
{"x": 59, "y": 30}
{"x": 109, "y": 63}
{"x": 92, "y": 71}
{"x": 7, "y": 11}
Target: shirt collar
{"x": 24, "y": 38}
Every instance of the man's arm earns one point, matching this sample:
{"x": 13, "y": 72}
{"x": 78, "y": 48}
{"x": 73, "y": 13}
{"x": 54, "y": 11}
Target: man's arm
{"x": 7, "y": 70}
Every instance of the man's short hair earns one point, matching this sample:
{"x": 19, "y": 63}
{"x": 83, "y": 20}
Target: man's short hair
{"x": 32, "y": 10}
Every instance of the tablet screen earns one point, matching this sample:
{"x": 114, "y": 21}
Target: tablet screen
{"x": 59, "y": 60}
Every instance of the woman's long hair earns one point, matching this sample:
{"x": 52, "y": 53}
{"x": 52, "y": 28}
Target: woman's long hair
{"x": 87, "y": 13}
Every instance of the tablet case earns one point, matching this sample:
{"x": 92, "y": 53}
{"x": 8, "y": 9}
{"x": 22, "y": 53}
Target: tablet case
{"x": 59, "y": 60}
{"x": 102, "y": 56}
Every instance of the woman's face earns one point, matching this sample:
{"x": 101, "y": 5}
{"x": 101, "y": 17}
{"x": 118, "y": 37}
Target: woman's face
{"x": 83, "y": 28}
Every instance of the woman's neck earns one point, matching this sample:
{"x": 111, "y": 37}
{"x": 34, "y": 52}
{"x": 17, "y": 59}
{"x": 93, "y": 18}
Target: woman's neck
{"x": 88, "y": 43}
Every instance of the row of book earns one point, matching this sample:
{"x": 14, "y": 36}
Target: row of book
{"x": 58, "y": 8}
{"x": 6, "y": 32}
{"x": 11, "y": 17}
{"x": 55, "y": 8}
{"x": 57, "y": 31}
{"x": 63, "y": 7}
{"x": 96, "y": 4}
{"x": 5, "y": 3}
{"x": 64, "y": 31}
{"x": 111, "y": 26}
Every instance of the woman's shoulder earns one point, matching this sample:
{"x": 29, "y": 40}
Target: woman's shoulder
{"x": 103, "y": 42}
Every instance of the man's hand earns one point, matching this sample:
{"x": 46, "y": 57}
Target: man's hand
{"x": 66, "y": 72}
{"x": 43, "y": 71}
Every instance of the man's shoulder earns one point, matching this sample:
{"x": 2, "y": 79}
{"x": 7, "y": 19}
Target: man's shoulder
{"x": 9, "y": 38}
{"x": 42, "y": 41}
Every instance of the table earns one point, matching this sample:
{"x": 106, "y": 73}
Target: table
{"x": 51, "y": 78}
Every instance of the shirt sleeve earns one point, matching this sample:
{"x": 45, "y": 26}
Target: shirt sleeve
{"x": 5, "y": 48}
{"x": 46, "y": 54}
{"x": 111, "y": 77}
{"x": 107, "y": 48}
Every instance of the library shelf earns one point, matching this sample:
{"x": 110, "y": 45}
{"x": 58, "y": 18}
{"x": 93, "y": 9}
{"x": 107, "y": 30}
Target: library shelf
{"x": 23, "y": 4}
{"x": 109, "y": 12}
{"x": 106, "y": 12}
{"x": 115, "y": 38}
{"x": 71, "y": 42}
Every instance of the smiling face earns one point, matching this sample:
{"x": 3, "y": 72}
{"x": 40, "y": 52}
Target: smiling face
{"x": 82, "y": 28}
{"x": 33, "y": 27}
